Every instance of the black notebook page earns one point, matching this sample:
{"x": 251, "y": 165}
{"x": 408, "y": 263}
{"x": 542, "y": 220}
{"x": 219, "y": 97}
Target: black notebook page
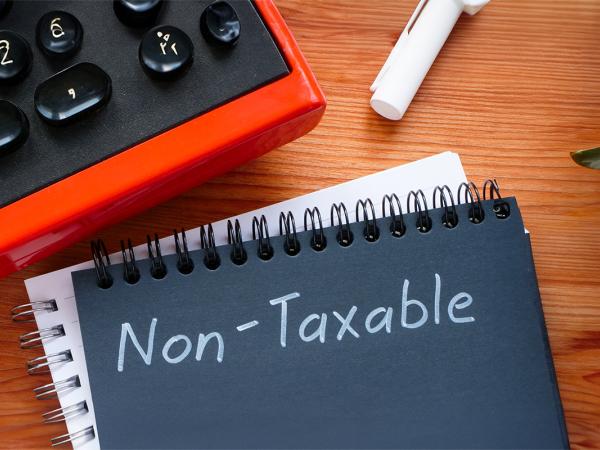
{"x": 480, "y": 378}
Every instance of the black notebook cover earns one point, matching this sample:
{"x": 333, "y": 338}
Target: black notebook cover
{"x": 354, "y": 362}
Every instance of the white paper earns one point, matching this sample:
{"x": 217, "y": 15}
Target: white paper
{"x": 424, "y": 174}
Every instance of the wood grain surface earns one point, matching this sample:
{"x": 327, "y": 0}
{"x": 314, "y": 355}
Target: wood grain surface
{"x": 515, "y": 89}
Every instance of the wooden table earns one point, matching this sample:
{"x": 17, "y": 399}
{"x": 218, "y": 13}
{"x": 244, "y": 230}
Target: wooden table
{"x": 515, "y": 89}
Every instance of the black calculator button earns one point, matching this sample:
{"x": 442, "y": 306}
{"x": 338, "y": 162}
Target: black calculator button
{"x": 15, "y": 57}
{"x": 59, "y": 33}
{"x": 5, "y": 7}
{"x": 14, "y": 127}
{"x": 72, "y": 93}
{"x": 166, "y": 52}
{"x": 137, "y": 13}
{"x": 220, "y": 23}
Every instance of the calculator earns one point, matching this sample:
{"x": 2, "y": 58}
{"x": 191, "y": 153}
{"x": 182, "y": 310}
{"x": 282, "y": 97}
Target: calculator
{"x": 110, "y": 107}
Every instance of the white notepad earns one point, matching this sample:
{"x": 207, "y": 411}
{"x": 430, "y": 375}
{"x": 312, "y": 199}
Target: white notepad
{"x": 425, "y": 174}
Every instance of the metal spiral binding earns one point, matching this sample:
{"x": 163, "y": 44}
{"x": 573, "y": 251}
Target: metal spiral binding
{"x": 42, "y": 364}
{"x": 51, "y": 390}
{"x": 476, "y": 213}
{"x": 318, "y": 241}
{"x": 87, "y": 432}
{"x": 371, "y": 230}
{"x": 37, "y": 338}
{"x": 131, "y": 273}
{"x": 207, "y": 241}
{"x": 26, "y": 313}
{"x": 101, "y": 263}
{"x": 397, "y": 225}
{"x": 424, "y": 222}
{"x": 391, "y": 209}
{"x": 501, "y": 208}
{"x": 158, "y": 268}
{"x": 450, "y": 217}
{"x": 291, "y": 244}
{"x": 185, "y": 264}
{"x": 234, "y": 238}
{"x": 261, "y": 229}
{"x": 344, "y": 235}
{"x": 68, "y": 412}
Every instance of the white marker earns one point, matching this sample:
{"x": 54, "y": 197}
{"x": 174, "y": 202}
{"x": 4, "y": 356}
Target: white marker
{"x": 414, "y": 53}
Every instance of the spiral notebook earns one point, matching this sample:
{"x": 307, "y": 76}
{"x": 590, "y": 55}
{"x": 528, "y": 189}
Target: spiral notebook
{"x": 379, "y": 329}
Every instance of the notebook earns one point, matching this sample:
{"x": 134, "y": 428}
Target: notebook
{"x": 53, "y": 300}
{"x": 398, "y": 338}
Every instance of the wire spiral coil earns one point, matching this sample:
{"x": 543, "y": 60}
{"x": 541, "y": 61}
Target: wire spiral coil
{"x": 51, "y": 390}
{"x": 416, "y": 206}
{"x": 318, "y": 241}
{"x": 37, "y": 338}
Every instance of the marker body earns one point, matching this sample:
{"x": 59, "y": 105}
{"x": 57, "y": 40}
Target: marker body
{"x": 413, "y": 56}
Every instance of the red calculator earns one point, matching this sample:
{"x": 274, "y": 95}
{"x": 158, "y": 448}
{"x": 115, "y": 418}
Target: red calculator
{"x": 110, "y": 107}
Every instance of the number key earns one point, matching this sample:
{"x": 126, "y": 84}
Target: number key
{"x": 59, "y": 33}
{"x": 15, "y": 57}
{"x": 72, "y": 93}
{"x": 166, "y": 52}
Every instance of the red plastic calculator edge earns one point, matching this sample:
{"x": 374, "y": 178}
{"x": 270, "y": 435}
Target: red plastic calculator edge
{"x": 166, "y": 165}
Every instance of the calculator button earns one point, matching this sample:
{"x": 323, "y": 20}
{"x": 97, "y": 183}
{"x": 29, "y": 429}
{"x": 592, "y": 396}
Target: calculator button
{"x": 166, "y": 52}
{"x": 220, "y": 23}
{"x": 137, "y": 13}
{"x": 59, "y": 33}
{"x": 14, "y": 127}
{"x": 15, "y": 57}
{"x": 72, "y": 93}
{"x": 5, "y": 7}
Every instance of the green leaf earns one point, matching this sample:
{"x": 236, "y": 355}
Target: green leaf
{"x": 587, "y": 158}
